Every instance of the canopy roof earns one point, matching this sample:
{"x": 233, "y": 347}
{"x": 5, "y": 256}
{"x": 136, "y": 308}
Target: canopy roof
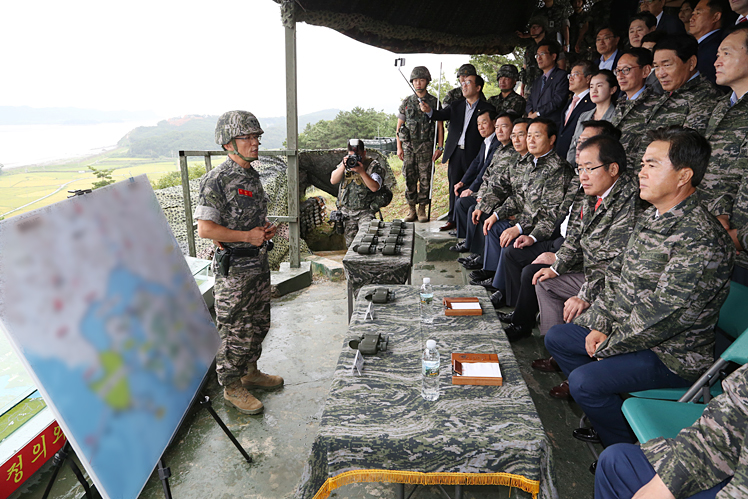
{"x": 419, "y": 26}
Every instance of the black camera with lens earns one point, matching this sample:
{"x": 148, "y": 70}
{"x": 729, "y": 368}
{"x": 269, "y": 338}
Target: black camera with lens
{"x": 351, "y": 161}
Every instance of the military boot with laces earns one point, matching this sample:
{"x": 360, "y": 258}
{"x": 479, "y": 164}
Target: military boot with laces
{"x": 422, "y": 217}
{"x": 257, "y": 379}
{"x": 411, "y": 214}
{"x": 238, "y": 396}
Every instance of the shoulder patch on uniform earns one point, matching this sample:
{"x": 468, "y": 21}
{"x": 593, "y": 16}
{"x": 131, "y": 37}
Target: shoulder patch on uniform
{"x": 243, "y": 192}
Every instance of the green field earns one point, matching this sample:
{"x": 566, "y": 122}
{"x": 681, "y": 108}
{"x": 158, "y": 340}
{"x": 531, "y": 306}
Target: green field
{"x": 44, "y": 185}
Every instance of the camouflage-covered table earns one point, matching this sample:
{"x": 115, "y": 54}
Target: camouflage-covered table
{"x": 376, "y": 427}
{"x": 377, "y": 268}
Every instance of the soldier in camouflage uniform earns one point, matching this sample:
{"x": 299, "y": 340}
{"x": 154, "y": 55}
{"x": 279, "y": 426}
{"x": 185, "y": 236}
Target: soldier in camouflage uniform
{"x": 415, "y": 144}
{"x": 724, "y": 188}
{"x": 232, "y": 211}
{"x": 538, "y": 27}
{"x": 653, "y": 324}
{"x": 508, "y": 99}
{"x": 689, "y": 98}
{"x": 708, "y": 458}
{"x": 455, "y": 94}
{"x": 358, "y": 198}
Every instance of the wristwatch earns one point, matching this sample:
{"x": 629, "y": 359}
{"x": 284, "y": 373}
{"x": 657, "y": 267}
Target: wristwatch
{"x": 439, "y": 148}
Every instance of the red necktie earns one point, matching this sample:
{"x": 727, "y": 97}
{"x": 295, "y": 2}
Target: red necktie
{"x": 571, "y": 108}
{"x": 599, "y": 202}
{"x": 742, "y": 19}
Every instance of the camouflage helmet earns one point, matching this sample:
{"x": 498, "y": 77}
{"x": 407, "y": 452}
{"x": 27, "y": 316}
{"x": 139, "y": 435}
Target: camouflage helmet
{"x": 420, "y": 72}
{"x": 235, "y": 123}
{"x": 541, "y": 21}
{"x": 508, "y": 70}
{"x": 467, "y": 70}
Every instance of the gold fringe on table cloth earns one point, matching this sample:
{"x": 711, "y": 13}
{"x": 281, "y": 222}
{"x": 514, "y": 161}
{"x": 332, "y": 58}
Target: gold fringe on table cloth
{"x": 414, "y": 478}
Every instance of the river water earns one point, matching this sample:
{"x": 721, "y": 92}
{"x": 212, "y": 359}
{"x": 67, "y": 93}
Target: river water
{"x": 22, "y": 145}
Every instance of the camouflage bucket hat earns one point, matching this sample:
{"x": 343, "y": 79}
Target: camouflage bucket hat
{"x": 467, "y": 70}
{"x": 234, "y": 123}
{"x": 508, "y": 70}
{"x": 420, "y": 72}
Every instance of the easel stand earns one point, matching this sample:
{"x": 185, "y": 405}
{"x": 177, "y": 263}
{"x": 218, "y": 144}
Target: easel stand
{"x": 164, "y": 472}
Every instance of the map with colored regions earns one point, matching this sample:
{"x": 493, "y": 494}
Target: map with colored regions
{"x": 102, "y": 309}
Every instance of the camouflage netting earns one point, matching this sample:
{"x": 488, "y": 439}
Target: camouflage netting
{"x": 417, "y": 26}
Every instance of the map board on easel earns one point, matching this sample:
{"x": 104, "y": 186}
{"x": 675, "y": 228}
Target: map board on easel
{"x": 102, "y": 309}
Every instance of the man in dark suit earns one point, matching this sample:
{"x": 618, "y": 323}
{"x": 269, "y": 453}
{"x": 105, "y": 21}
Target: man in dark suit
{"x": 665, "y": 22}
{"x": 706, "y": 26}
{"x": 578, "y": 103}
{"x": 463, "y": 141}
{"x": 606, "y": 44}
{"x": 550, "y": 91}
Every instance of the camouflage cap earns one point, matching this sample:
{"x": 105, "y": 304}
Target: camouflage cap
{"x": 508, "y": 70}
{"x": 467, "y": 70}
{"x": 420, "y": 72}
{"x": 234, "y": 123}
{"x": 541, "y": 21}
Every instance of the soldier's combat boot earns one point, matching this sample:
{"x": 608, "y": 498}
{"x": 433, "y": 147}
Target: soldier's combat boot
{"x": 422, "y": 217}
{"x": 411, "y": 214}
{"x": 257, "y": 379}
{"x": 238, "y": 396}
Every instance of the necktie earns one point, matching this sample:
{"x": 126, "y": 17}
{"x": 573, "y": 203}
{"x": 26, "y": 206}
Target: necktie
{"x": 571, "y": 108}
{"x": 599, "y": 202}
{"x": 742, "y": 20}
{"x": 542, "y": 83}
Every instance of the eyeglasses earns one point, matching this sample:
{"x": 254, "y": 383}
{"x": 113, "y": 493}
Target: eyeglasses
{"x": 253, "y": 136}
{"x": 604, "y": 38}
{"x": 540, "y": 54}
{"x": 574, "y": 75}
{"x": 624, "y": 71}
{"x": 587, "y": 171}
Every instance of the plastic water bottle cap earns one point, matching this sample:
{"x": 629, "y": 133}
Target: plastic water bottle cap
{"x": 427, "y": 280}
{"x": 431, "y": 344}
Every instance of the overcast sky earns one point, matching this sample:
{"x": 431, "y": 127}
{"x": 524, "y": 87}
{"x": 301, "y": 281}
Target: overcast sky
{"x": 188, "y": 57}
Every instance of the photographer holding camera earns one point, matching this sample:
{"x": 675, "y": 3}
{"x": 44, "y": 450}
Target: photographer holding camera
{"x": 362, "y": 191}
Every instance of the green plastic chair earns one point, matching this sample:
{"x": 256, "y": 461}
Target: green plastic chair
{"x": 651, "y": 418}
{"x": 733, "y": 322}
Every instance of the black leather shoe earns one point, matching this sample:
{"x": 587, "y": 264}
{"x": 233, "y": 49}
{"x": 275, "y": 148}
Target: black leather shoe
{"x": 497, "y": 299}
{"x": 586, "y": 435}
{"x": 515, "y": 332}
{"x": 505, "y": 317}
{"x": 593, "y": 467}
{"x": 466, "y": 259}
{"x": 474, "y": 263}
{"x": 485, "y": 283}
{"x": 452, "y": 233}
{"x": 459, "y": 248}
{"x": 479, "y": 275}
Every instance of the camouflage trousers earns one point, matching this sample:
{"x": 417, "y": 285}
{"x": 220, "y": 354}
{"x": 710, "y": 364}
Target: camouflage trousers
{"x": 417, "y": 172}
{"x": 243, "y": 316}
{"x": 350, "y": 225}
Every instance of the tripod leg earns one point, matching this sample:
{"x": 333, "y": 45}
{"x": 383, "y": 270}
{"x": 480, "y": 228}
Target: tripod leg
{"x": 81, "y": 478}
{"x": 209, "y": 406}
{"x": 163, "y": 474}
{"x": 57, "y": 463}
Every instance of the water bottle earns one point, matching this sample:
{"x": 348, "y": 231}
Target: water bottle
{"x": 427, "y": 297}
{"x": 430, "y": 372}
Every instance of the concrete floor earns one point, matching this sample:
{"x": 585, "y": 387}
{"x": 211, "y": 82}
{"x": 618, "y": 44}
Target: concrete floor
{"x": 308, "y": 329}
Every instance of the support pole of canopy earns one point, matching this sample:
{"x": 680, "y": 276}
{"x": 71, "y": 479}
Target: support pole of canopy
{"x": 292, "y": 136}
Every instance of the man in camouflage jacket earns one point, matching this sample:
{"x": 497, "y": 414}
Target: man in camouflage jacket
{"x": 508, "y": 99}
{"x": 653, "y": 324}
{"x": 358, "y": 193}
{"x": 232, "y": 211}
{"x": 415, "y": 144}
{"x": 709, "y": 458}
{"x": 547, "y": 190}
{"x": 689, "y": 98}
{"x": 724, "y": 189}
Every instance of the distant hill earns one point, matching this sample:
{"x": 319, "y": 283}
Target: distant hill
{"x": 25, "y": 115}
{"x": 197, "y": 132}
